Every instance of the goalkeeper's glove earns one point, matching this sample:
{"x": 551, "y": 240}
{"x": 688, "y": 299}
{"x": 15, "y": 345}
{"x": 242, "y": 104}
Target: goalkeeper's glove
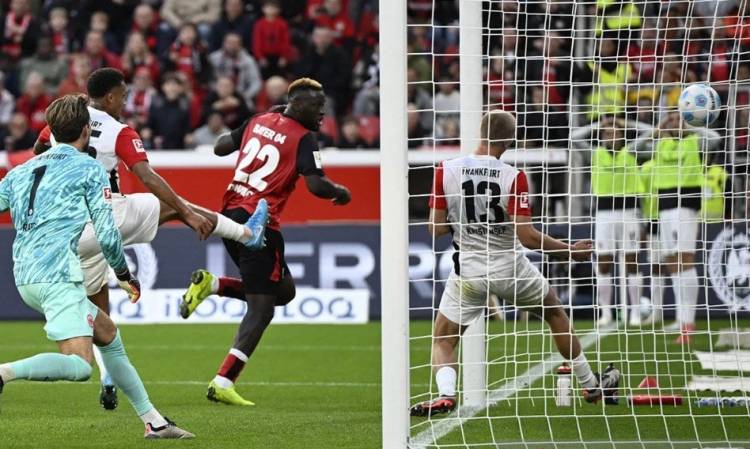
{"x": 130, "y": 284}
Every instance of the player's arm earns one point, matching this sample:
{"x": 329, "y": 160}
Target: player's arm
{"x": 438, "y": 224}
{"x": 129, "y": 149}
{"x": 98, "y": 195}
{"x": 309, "y": 166}
{"x": 43, "y": 142}
{"x": 230, "y": 142}
{"x": 4, "y": 194}
{"x": 519, "y": 210}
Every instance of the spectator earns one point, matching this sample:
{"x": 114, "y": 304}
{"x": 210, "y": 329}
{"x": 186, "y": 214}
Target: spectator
{"x": 350, "y": 135}
{"x": 34, "y": 101}
{"x": 416, "y": 133}
{"x": 273, "y": 93}
{"x": 328, "y": 64}
{"x": 18, "y": 136}
{"x": 45, "y": 62}
{"x": 208, "y": 133}
{"x": 188, "y": 56}
{"x": 137, "y": 55}
{"x": 421, "y": 100}
{"x": 332, "y": 15}
{"x": 234, "y": 62}
{"x": 225, "y": 100}
{"x": 146, "y": 23}
{"x": 169, "y": 116}
{"x": 202, "y": 13}
{"x": 100, "y": 22}
{"x": 97, "y": 52}
{"x": 367, "y": 81}
{"x": 235, "y": 19}
{"x": 80, "y": 69}
{"x": 449, "y": 131}
{"x": 271, "y": 41}
{"x": 447, "y": 100}
{"x": 540, "y": 124}
{"x": 7, "y": 103}
{"x": 502, "y": 85}
{"x": 19, "y": 31}
{"x": 607, "y": 77}
{"x": 140, "y": 97}
{"x": 62, "y": 38}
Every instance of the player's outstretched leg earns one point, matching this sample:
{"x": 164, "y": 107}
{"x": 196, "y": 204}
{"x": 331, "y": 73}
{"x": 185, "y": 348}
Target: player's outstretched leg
{"x": 204, "y": 284}
{"x": 594, "y": 386}
{"x": 444, "y": 362}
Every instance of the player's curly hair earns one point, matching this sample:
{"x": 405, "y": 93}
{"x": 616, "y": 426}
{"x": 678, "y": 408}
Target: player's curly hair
{"x": 67, "y": 116}
{"x": 103, "y": 80}
{"x": 498, "y": 127}
{"x": 303, "y": 84}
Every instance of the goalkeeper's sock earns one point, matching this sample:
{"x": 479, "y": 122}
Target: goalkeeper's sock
{"x": 583, "y": 372}
{"x": 125, "y": 376}
{"x": 604, "y": 288}
{"x": 445, "y": 378}
{"x": 46, "y": 367}
{"x": 228, "y": 229}
{"x": 657, "y": 291}
{"x": 634, "y": 286}
{"x": 229, "y": 287}
{"x": 104, "y": 376}
{"x": 685, "y": 285}
{"x": 231, "y": 368}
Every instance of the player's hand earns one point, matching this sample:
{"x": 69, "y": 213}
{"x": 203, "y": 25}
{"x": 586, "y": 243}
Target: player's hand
{"x": 343, "y": 196}
{"x": 200, "y": 224}
{"x": 581, "y": 250}
{"x": 130, "y": 285}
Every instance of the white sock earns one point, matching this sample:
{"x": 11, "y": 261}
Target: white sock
{"x": 446, "y": 381}
{"x": 657, "y": 291}
{"x": 223, "y": 382}
{"x": 103, "y": 374}
{"x": 228, "y": 229}
{"x": 215, "y": 285}
{"x": 634, "y": 286}
{"x": 6, "y": 373}
{"x": 604, "y": 288}
{"x": 583, "y": 372}
{"x": 154, "y": 418}
{"x": 685, "y": 285}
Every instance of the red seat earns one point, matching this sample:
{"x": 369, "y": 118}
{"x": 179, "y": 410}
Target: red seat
{"x": 369, "y": 128}
{"x": 330, "y": 128}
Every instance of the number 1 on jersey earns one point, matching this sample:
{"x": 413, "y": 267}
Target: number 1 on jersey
{"x": 268, "y": 153}
{"x": 38, "y": 175}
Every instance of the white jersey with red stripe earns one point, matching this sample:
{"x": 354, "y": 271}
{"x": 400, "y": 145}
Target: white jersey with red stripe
{"x": 112, "y": 141}
{"x": 481, "y": 195}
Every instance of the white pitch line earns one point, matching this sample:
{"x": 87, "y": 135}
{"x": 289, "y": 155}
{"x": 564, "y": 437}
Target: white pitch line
{"x": 222, "y": 347}
{"x": 205, "y": 383}
{"x": 508, "y": 389}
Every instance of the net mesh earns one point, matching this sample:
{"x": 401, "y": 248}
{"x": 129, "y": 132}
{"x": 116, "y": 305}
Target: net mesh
{"x": 594, "y": 87}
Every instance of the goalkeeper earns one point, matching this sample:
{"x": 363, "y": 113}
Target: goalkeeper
{"x": 484, "y": 203}
{"x": 51, "y": 197}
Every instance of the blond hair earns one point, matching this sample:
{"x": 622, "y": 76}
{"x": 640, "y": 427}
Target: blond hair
{"x": 498, "y": 127}
{"x": 304, "y": 83}
{"x": 67, "y": 116}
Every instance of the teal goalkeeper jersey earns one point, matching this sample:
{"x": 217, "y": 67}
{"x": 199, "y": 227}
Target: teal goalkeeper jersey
{"x": 51, "y": 197}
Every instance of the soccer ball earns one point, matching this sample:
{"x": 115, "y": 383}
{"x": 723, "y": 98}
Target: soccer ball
{"x": 699, "y": 104}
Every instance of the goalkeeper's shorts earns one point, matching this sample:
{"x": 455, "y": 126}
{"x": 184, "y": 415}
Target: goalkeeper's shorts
{"x": 68, "y": 311}
{"x": 520, "y": 283}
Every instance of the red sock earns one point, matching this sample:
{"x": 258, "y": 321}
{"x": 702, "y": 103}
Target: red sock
{"x": 232, "y": 365}
{"x": 231, "y": 288}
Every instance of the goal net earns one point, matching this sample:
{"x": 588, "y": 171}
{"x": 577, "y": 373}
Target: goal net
{"x": 594, "y": 87}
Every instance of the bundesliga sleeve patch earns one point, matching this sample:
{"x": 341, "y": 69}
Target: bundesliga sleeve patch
{"x": 107, "y": 194}
{"x": 138, "y": 145}
{"x": 524, "y": 200}
{"x": 318, "y": 160}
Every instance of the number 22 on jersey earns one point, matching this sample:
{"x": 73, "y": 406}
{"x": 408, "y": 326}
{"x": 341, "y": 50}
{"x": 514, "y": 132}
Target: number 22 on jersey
{"x": 269, "y": 157}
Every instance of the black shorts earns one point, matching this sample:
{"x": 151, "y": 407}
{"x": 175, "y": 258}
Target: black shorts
{"x": 261, "y": 270}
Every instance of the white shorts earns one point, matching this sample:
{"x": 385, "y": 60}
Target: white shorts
{"x": 678, "y": 230}
{"x": 137, "y": 218}
{"x": 520, "y": 284}
{"x": 616, "y": 230}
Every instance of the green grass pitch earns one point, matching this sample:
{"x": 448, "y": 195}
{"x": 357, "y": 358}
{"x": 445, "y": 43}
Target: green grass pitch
{"x": 319, "y": 387}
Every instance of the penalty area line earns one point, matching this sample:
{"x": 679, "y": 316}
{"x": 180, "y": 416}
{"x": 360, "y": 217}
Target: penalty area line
{"x": 443, "y": 427}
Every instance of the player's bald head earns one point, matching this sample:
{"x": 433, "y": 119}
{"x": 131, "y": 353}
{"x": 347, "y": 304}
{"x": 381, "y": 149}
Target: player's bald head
{"x": 498, "y": 128}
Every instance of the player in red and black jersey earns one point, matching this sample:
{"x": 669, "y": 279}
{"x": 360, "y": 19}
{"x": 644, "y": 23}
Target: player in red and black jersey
{"x": 275, "y": 149}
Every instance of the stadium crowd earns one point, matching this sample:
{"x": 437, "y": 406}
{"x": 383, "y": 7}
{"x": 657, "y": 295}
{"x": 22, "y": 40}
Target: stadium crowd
{"x": 195, "y": 68}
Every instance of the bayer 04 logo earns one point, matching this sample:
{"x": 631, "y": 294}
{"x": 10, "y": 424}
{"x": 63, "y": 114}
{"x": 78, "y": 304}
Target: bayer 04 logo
{"x": 729, "y": 268}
